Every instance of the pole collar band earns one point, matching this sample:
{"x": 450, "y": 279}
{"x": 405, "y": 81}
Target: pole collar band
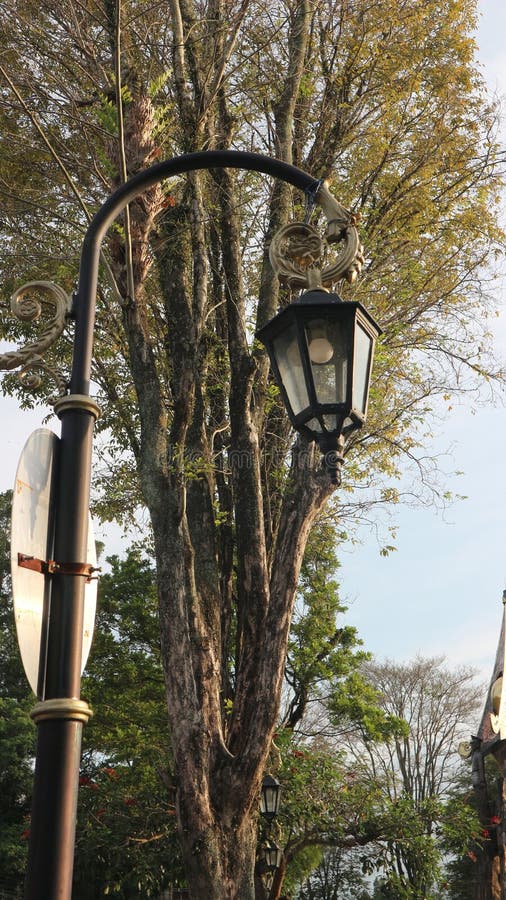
{"x": 76, "y": 401}
{"x": 62, "y": 708}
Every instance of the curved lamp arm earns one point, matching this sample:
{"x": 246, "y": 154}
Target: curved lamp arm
{"x": 340, "y": 229}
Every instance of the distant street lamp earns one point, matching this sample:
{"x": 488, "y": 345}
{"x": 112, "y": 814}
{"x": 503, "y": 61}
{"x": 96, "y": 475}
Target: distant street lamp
{"x": 269, "y": 800}
{"x": 321, "y": 351}
{"x": 270, "y": 857}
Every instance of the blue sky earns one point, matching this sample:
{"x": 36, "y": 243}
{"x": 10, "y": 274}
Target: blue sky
{"x": 440, "y": 592}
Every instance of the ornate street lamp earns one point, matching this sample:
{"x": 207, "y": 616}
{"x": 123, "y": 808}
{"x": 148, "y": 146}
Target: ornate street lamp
{"x": 321, "y": 351}
{"x": 269, "y": 800}
{"x": 321, "y": 347}
{"x": 327, "y": 343}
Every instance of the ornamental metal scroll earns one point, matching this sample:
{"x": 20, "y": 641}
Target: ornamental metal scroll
{"x": 27, "y": 304}
{"x": 296, "y": 248}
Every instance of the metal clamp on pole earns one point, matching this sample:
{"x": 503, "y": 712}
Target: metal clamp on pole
{"x": 51, "y": 567}
{"x": 62, "y": 708}
{"x": 76, "y": 401}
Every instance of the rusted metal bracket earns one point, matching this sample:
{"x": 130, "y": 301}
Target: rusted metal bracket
{"x": 51, "y": 567}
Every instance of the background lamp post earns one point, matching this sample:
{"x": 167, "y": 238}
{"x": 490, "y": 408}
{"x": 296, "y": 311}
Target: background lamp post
{"x": 270, "y": 857}
{"x": 269, "y": 860}
{"x": 269, "y": 798}
{"x": 321, "y": 351}
{"x": 325, "y": 341}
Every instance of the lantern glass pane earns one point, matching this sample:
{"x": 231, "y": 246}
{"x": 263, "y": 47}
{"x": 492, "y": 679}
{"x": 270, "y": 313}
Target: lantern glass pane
{"x": 287, "y": 353}
{"x": 272, "y": 856}
{"x": 269, "y": 799}
{"x": 330, "y": 423}
{"x": 361, "y": 368}
{"x": 328, "y": 355}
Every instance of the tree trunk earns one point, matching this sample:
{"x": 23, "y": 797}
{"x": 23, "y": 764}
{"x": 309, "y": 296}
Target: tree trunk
{"x": 219, "y": 862}
{"x": 487, "y": 876}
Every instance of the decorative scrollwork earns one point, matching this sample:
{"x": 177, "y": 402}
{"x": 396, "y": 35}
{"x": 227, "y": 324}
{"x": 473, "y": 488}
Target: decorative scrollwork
{"x": 27, "y": 304}
{"x": 295, "y": 249}
{"x": 32, "y": 381}
{"x": 293, "y": 252}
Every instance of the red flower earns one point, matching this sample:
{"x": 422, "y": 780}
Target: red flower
{"x": 84, "y": 781}
{"x": 485, "y": 833}
{"x": 495, "y": 820}
{"x": 25, "y": 834}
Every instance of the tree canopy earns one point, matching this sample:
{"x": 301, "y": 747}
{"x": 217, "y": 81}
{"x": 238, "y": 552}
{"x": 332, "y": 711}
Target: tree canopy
{"x": 340, "y": 817}
{"x": 419, "y": 770}
{"x": 16, "y": 729}
{"x": 385, "y": 100}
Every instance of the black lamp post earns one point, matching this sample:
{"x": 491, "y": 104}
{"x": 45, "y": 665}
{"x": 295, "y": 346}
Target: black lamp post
{"x": 269, "y": 800}
{"x": 321, "y": 351}
{"x": 327, "y": 345}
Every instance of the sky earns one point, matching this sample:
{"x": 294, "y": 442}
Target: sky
{"x": 440, "y": 592}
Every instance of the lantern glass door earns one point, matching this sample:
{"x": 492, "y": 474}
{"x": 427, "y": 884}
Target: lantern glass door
{"x": 289, "y": 362}
{"x": 328, "y": 356}
{"x": 361, "y": 368}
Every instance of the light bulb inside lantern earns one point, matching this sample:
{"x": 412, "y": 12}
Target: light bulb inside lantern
{"x": 320, "y": 349}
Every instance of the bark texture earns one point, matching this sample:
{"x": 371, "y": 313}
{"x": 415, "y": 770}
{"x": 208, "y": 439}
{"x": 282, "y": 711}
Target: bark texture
{"x": 227, "y": 582}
